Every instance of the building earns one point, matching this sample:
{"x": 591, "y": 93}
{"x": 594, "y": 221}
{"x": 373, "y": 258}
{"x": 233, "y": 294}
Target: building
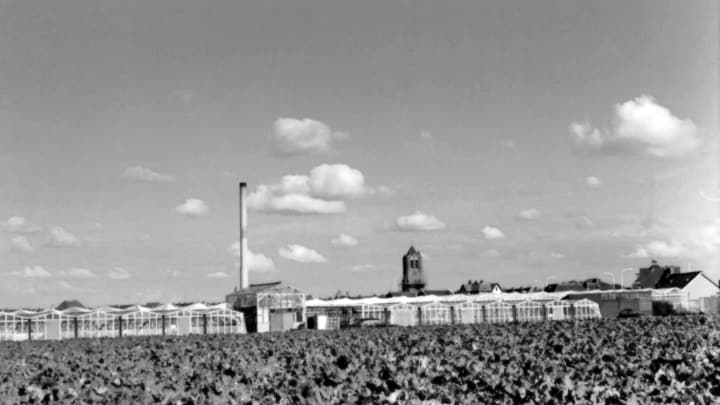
{"x": 269, "y": 307}
{"x": 695, "y": 284}
{"x": 649, "y": 277}
{"x": 589, "y": 284}
{"x": 612, "y": 302}
{"x": 479, "y": 287}
{"x": 413, "y": 277}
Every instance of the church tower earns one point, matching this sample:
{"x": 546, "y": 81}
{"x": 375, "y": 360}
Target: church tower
{"x": 413, "y": 280}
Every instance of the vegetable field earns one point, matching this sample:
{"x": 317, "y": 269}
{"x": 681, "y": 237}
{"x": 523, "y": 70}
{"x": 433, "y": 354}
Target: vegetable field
{"x": 642, "y": 360}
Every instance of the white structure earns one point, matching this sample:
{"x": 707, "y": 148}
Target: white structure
{"x": 692, "y": 291}
{"x": 457, "y": 309}
{"x": 135, "y": 320}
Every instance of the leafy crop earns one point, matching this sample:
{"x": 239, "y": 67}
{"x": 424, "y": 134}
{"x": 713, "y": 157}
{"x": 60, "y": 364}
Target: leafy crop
{"x": 643, "y": 360}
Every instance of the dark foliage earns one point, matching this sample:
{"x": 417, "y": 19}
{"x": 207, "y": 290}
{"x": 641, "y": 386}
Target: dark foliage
{"x": 632, "y": 361}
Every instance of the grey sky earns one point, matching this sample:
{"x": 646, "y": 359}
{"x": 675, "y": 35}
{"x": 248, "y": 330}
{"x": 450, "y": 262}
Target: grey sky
{"x": 185, "y": 94}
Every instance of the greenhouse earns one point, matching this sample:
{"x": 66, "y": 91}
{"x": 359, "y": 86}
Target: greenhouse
{"x": 452, "y": 309}
{"x": 498, "y": 311}
{"x": 435, "y": 313}
{"x": 585, "y": 309}
{"x": 135, "y": 320}
{"x": 469, "y": 312}
{"x": 559, "y": 310}
{"x": 529, "y": 311}
{"x": 404, "y": 315}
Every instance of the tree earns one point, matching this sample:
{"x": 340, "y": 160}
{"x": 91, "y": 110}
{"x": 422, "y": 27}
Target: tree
{"x": 69, "y": 304}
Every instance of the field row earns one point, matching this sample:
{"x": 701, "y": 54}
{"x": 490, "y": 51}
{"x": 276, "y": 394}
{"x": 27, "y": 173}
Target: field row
{"x": 642, "y": 360}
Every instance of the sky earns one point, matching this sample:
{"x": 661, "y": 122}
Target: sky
{"x": 509, "y": 141}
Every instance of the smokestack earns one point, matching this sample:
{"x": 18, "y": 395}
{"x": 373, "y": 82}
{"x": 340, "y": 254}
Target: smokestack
{"x": 244, "y": 281}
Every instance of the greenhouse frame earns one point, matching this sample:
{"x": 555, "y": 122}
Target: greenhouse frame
{"x": 136, "y": 320}
{"x": 452, "y": 309}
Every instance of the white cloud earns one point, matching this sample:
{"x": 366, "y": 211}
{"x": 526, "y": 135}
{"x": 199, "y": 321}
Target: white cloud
{"x": 426, "y": 136}
{"x": 144, "y": 174}
{"x": 302, "y": 136}
{"x": 118, "y": 273}
{"x": 64, "y": 284}
{"x": 363, "y": 267}
{"x": 508, "y": 144}
{"x": 263, "y": 199}
{"x": 658, "y": 249}
{"x": 218, "y": 274}
{"x": 257, "y": 262}
{"x": 642, "y": 127}
{"x": 76, "y": 273}
{"x": 323, "y": 191}
{"x": 492, "y": 233}
{"x": 337, "y": 181}
{"x": 192, "y": 207}
{"x": 529, "y": 214}
{"x": 20, "y": 244}
{"x": 419, "y": 221}
{"x": 17, "y": 224}
{"x": 490, "y": 253}
{"x": 60, "y": 238}
{"x": 301, "y": 254}
{"x": 592, "y": 181}
{"x": 556, "y": 255}
{"x": 33, "y": 272}
{"x": 344, "y": 240}
{"x": 173, "y": 273}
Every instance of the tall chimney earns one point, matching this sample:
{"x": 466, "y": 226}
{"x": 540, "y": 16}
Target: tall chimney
{"x": 244, "y": 281}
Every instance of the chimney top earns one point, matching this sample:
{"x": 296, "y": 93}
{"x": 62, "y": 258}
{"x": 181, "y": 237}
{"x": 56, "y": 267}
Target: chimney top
{"x": 243, "y": 184}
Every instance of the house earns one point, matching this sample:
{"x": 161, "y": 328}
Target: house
{"x": 477, "y": 287}
{"x": 695, "y": 284}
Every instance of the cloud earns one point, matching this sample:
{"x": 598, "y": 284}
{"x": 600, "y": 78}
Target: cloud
{"x": 592, "y": 181}
{"x": 641, "y": 127}
{"x": 20, "y": 244}
{"x": 173, "y": 273}
{"x": 144, "y": 174}
{"x": 337, "y": 181}
{"x": 419, "y": 221}
{"x": 218, "y": 274}
{"x": 322, "y": 191}
{"x": 492, "y": 233}
{"x": 363, "y": 267}
{"x": 33, "y": 272}
{"x": 17, "y": 224}
{"x": 118, "y": 273}
{"x": 192, "y": 207}
{"x": 76, "y": 273}
{"x": 508, "y": 144}
{"x": 426, "y": 136}
{"x": 301, "y": 254}
{"x": 584, "y": 223}
{"x": 344, "y": 240}
{"x": 490, "y": 253}
{"x": 658, "y": 249}
{"x": 64, "y": 284}
{"x": 556, "y": 255}
{"x": 303, "y": 136}
{"x": 60, "y": 238}
{"x": 257, "y": 262}
{"x": 529, "y": 214}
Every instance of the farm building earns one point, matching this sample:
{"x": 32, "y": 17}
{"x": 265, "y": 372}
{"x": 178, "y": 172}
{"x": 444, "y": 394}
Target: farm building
{"x": 451, "y": 309}
{"x": 692, "y": 291}
{"x": 136, "y": 320}
{"x": 269, "y": 307}
{"x": 611, "y": 302}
